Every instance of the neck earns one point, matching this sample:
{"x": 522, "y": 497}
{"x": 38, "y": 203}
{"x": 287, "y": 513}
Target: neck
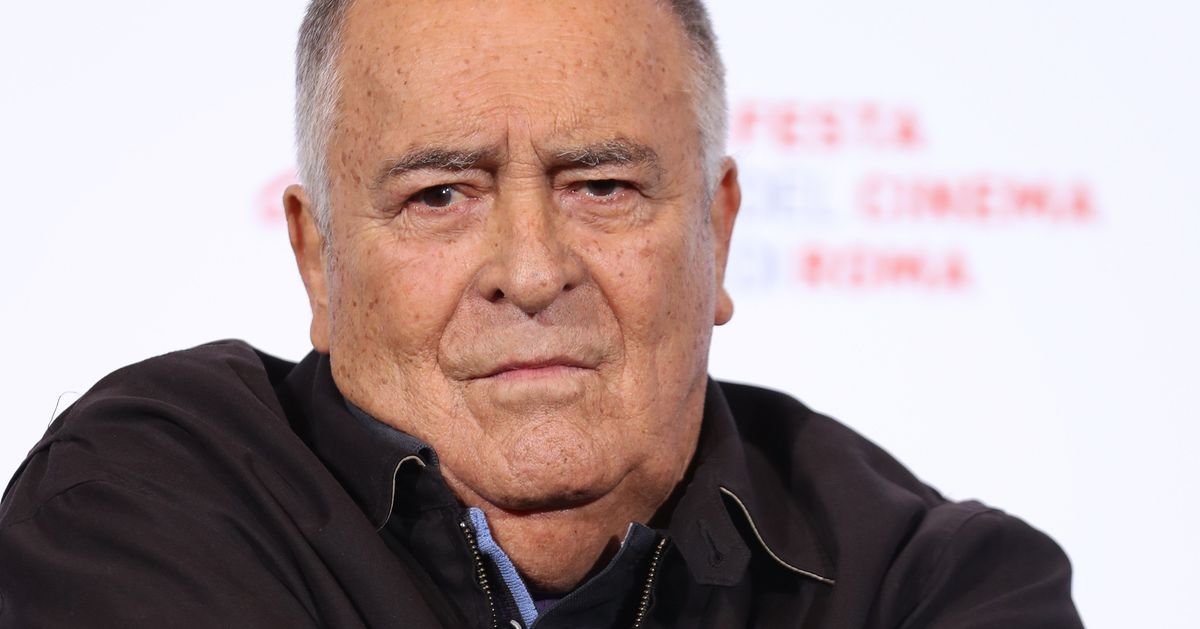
{"x": 556, "y": 550}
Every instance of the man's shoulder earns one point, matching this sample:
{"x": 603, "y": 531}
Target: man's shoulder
{"x": 190, "y": 373}
{"x": 178, "y": 416}
{"x": 814, "y": 477}
{"x": 817, "y": 453}
{"x": 210, "y": 387}
{"x": 174, "y": 491}
{"x": 888, "y": 537}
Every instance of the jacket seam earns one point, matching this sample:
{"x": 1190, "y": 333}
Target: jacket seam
{"x": 941, "y": 552}
{"x": 36, "y": 512}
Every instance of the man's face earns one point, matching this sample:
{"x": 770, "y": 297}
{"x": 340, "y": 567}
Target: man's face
{"x": 521, "y": 269}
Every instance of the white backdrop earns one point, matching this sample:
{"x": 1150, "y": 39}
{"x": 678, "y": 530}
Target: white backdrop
{"x": 971, "y": 231}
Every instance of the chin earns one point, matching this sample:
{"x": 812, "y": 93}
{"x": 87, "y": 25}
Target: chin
{"x": 567, "y": 485}
{"x": 545, "y": 470}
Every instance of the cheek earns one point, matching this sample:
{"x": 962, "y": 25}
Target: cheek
{"x": 661, "y": 290}
{"x": 392, "y": 299}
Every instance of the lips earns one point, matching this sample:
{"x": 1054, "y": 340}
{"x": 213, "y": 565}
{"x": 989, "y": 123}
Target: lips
{"x": 504, "y": 356}
{"x": 535, "y": 367}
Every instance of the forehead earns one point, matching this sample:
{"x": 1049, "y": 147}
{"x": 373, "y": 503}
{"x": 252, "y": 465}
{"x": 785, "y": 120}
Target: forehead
{"x": 444, "y": 68}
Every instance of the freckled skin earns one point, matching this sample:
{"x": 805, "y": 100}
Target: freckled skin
{"x": 418, "y": 305}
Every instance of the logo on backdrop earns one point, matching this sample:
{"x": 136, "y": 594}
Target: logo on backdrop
{"x": 796, "y": 125}
{"x": 824, "y": 206}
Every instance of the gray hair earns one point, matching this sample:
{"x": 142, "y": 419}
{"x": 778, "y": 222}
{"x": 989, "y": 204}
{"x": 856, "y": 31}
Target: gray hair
{"x": 318, "y": 88}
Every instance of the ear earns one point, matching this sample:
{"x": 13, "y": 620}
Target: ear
{"x": 727, "y": 199}
{"x": 309, "y": 248}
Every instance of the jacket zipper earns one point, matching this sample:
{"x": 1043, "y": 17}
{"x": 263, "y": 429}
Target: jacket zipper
{"x": 480, "y": 570}
{"x": 485, "y": 585}
{"x": 648, "y": 588}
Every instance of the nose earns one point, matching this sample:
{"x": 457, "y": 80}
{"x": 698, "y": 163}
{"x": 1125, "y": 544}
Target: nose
{"x": 531, "y": 265}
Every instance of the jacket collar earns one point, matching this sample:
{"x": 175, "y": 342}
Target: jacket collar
{"x": 365, "y": 455}
{"x": 734, "y": 501}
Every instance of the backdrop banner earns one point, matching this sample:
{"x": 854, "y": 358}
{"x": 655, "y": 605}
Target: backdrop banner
{"x": 970, "y": 231}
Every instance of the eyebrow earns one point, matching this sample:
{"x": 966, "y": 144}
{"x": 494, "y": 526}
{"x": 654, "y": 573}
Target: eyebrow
{"x": 432, "y": 158}
{"x": 608, "y": 152}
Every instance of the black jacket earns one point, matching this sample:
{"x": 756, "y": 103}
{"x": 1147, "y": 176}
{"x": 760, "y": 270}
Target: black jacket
{"x": 220, "y": 487}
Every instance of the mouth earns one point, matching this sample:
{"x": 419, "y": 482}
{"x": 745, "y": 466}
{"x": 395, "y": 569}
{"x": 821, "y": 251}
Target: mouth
{"x": 536, "y": 368}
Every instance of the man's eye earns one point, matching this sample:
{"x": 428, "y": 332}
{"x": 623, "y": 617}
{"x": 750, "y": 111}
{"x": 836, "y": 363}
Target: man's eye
{"x": 603, "y": 187}
{"x": 437, "y": 196}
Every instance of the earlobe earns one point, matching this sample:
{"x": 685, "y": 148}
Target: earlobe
{"x": 727, "y": 200}
{"x": 308, "y": 248}
{"x": 724, "y": 310}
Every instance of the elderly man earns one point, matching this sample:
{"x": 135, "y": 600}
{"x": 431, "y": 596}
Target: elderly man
{"x": 513, "y": 234}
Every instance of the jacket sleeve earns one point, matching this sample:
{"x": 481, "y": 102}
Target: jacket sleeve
{"x": 994, "y": 572}
{"x": 104, "y": 555}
